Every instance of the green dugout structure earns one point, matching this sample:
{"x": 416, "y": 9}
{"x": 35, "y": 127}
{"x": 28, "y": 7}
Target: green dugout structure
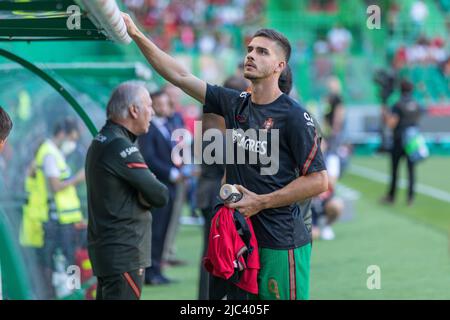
{"x": 45, "y": 48}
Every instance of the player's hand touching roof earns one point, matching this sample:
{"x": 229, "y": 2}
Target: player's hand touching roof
{"x": 169, "y": 68}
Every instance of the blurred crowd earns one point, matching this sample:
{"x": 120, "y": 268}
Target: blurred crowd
{"x": 201, "y": 25}
{"x": 424, "y": 52}
{"x": 338, "y": 40}
{"x": 418, "y": 46}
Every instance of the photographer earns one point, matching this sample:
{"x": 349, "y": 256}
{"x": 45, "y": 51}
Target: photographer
{"x": 405, "y": 114}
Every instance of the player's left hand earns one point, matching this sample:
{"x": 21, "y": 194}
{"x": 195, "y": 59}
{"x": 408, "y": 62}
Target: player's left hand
{"x": 249, "y": 205}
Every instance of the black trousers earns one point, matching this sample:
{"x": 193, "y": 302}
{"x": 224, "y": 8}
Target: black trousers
{"x": 203, "y": 287}
{"x": 221, "y": 289}
{"x": 124, "y": 286}
{"x": 160, "y": 224}
{"x": 397, "y": 153}
{"x": 56, "y": 235}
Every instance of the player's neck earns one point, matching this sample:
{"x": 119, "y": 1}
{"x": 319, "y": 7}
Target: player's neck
{"x": 265, "y": 92}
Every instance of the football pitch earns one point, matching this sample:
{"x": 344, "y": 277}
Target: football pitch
{"x": 409, "y": 246}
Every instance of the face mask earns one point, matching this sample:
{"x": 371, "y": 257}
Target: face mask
{"x": 68, "y": 147}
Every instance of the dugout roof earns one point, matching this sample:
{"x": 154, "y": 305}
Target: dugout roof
{"x": 37, "y": 20}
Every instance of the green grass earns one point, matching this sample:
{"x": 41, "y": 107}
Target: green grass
{"x": 426, "y": 209}
{"x": 409, "y": 244}
{"x": 434, "y": 171}
{"x": 189, "y": 247}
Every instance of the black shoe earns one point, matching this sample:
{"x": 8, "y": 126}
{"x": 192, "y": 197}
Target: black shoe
{"x": 158, "y": 280}
{"x": 388, "y": 200}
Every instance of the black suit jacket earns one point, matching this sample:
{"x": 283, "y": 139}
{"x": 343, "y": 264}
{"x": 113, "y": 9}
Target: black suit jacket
{"x": 156, "y": 150}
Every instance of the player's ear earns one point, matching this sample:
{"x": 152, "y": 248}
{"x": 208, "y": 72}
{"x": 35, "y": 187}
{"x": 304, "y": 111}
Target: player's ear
{"x": 2, "y": 144}
{"x": 280, "y": 67}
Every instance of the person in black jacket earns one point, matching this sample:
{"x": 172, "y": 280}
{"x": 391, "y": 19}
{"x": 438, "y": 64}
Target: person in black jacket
{"x": 156, "y": 147}
{"x": 404, "y": 114}
{"x": 121, "y": 190}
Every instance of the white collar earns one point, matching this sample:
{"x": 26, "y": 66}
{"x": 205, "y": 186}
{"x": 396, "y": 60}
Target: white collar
{"x": 159, "y": 121}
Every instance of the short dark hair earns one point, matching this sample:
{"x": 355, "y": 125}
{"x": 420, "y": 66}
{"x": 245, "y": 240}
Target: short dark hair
{"x": 67, "y": 125}
{"x": 157, "y": 93}
{"x": 5, "y": 124}
{"x": 285, "y": 80}
{"x": 276, "y": 36}
{"x": 406, "y": 86}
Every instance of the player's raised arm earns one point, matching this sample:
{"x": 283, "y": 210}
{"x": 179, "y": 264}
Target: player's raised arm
{"x": 169, "y": 68}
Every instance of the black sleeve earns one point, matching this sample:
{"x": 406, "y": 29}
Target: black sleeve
{"x": 220, "y": 100}
{"x": 396, "y": 109}
{"x": 125, "y": 160}
{"x": 334, "y": 100}
{"x": 304, "y": 142}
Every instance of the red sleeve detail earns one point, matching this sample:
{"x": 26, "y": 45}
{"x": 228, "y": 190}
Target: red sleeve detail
{"x": 137, "y": 165}
{"x": 311, "y": 156}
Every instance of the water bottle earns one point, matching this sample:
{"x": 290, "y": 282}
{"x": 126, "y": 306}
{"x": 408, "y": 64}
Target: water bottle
{"x": 229, "y": 193}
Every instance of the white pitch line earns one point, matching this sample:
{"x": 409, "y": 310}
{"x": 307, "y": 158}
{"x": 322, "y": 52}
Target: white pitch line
{"x": 347, "y": 192}
{"x": 402, "y": 183}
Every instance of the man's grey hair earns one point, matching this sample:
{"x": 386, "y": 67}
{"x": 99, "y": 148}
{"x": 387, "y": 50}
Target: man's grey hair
{"x": 126, "y": 94}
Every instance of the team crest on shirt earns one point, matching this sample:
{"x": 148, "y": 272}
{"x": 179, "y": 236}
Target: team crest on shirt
{"x": 241, "y": 118}
{"x": 268, "y": 124}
